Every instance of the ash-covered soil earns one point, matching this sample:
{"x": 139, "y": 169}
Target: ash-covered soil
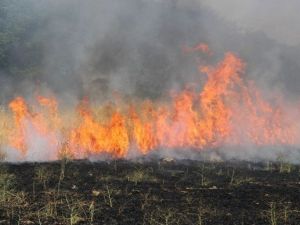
{"x": 150, "y": 192}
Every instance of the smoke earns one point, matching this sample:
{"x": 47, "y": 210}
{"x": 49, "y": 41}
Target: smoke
{"x": 134, "y": 46}
{"x": 274, "y": 18}
{"x": 93, "y": 48}
{"x": 270, "y": 39}
{"x": 41, "y": 147}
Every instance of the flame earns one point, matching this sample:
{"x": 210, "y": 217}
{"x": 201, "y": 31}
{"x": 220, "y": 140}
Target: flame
{"x": 92, "y": 136}
{"x": 44, "y": 123}
{"x": 229, "y": 110}
{"x": 201, "y": 47}
{"x": 20, "y": 111}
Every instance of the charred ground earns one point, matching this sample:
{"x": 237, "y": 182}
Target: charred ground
{"x": 150, "y": 192}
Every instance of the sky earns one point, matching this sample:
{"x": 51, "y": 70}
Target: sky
{"x": 279, "y": 19}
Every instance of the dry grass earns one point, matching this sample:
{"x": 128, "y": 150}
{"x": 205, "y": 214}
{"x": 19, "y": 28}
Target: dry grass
{"x": 6, "y": 127}
{"x": 140, "y": 175}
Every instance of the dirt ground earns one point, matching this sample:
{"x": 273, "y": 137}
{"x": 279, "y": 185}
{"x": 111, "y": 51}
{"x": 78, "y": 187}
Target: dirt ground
{"x": 150, "y": 192}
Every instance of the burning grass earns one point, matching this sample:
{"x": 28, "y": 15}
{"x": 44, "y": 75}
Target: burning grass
{"x": 224, "y": 110}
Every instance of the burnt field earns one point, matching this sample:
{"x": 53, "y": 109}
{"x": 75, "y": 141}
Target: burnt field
{"x": 150, "y": 192}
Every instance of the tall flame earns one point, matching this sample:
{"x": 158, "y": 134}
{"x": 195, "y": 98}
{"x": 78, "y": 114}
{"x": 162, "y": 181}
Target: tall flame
{"x": 228, "y": 111}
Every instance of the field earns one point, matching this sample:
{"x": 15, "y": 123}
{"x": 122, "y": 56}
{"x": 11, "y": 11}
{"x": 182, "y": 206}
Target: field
{"x": 150, "y": 192}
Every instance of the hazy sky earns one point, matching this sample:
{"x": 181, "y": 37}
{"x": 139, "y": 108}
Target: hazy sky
{"x": 279, "y": 19}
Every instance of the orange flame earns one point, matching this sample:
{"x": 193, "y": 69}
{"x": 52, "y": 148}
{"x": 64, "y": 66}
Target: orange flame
{"x": 19, "y": 108}
{"x": 228, "y": 111}
{"x": 26, "y": 122}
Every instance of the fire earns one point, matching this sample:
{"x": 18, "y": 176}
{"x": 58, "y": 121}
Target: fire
{"x": 20, "y": 110}
{"x": 229, "y": 110}
{"x": 143, "y": 130}
{"x": 201, "y": 47}
{"x": 27, "y": 123}
{"x": 94, "y": 137}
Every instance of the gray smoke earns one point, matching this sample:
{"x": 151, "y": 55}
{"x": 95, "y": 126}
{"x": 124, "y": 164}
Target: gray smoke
{"x": 92, "y": 48}
{"x": 134, "y": 46}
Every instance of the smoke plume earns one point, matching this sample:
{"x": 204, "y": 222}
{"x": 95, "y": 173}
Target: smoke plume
{"x": 135, "y": 48}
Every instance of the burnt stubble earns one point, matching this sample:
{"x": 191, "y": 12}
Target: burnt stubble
{"x": 150, "y": 192}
